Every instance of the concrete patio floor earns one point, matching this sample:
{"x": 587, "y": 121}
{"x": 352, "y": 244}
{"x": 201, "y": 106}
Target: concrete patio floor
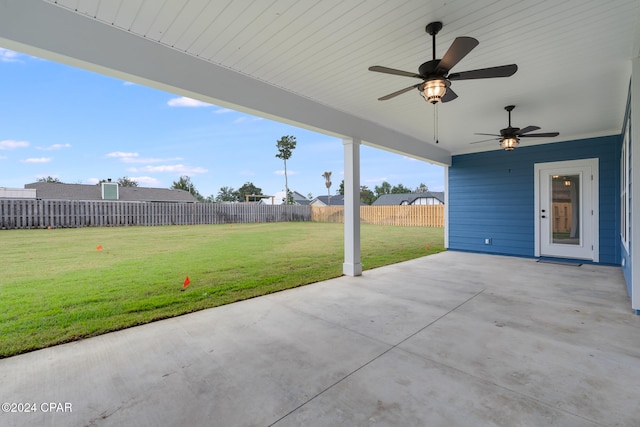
{"x": 453, "y": 339}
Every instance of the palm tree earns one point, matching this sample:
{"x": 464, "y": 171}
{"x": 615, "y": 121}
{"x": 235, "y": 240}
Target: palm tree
{"x": 327, "y": 177}
{"x": 286, "y": 145}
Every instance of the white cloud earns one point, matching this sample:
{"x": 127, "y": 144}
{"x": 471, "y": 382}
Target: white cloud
{"x": 148, "y": 160}
{"x": 135, "y": 158}
{"x": 9, "y": 144}
{"x": 37, "y": 160}
{"x": 7, "y": 55}
{"x": 223, "y": 111}
{"x": 374, "y": 180}
{"x": 183, "y": 101}
{"x": 182, "y": 169}
{"x": 145, "y": 180}
{"x": 281, "y": 172}
{"x": 54, "y": 147}
{"x": 246, "y": 119}
{"x": 121, "y": 154}
{"x": 139, "y": 179}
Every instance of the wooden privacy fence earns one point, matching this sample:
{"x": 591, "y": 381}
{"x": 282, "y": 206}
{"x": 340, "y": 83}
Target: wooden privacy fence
{"x": 29, "y": 213}
{"x": 402, "y": 215}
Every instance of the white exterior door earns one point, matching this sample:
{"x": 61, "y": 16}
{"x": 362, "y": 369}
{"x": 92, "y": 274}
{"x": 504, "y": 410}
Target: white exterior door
{"x": 567, "y": 209}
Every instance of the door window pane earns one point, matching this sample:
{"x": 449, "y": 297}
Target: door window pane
{"x": 565, "y": 208}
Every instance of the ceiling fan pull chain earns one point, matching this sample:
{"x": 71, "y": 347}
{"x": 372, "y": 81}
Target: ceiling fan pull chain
{"x": 435, "y": 123}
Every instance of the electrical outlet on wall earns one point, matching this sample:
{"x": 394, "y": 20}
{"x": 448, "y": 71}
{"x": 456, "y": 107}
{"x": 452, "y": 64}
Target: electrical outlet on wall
{"x": 487, "y": 241}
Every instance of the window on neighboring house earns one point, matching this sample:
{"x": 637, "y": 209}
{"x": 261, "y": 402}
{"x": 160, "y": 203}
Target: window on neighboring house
{"x": 624, "y": 190}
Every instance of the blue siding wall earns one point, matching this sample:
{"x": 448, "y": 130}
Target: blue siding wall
{"x": 491, "y": 195}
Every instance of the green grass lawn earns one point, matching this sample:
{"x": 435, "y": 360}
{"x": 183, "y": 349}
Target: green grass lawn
{"x": 56, "y": 287}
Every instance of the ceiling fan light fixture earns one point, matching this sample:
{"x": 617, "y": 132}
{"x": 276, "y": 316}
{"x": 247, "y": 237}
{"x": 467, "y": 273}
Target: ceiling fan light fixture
{"x": 434, "y": 90}
{"x": 509, "y": 143}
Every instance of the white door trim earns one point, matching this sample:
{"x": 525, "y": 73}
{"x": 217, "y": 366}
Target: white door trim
{"x": 594, "y": 223}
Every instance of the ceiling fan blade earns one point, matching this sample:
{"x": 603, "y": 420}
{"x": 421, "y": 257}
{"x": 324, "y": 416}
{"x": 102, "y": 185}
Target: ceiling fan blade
{"x": 449, "y": 95}
{"x": 400, "y": 92}
{"x": 526, "y": 130}
{"x": 541, "y": 135}
{"x": 485, "y": 73}
{"x": 387, "y": 70}
{"x": 484, "y": 140}
{"x": 460, "y": 48}
{"x": 488, "y": 134}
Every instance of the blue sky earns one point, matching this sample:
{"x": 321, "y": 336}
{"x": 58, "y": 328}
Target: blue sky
{"x": 81, "y": 127}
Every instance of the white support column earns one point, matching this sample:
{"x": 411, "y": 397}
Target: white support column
{"x": 635, "y": 184}
{"x": 351, "y": 265}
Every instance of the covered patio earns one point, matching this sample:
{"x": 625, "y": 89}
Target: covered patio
{"x": 309, "y": 64}
{"x": 450, "y": 339}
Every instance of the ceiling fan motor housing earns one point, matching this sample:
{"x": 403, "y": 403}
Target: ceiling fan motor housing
{"x": 509, "y": 132}
{"x": 428, "y": 68}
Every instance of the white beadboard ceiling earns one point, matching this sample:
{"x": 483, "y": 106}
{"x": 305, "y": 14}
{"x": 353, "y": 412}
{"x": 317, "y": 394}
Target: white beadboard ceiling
{"x": 573, "y": 56}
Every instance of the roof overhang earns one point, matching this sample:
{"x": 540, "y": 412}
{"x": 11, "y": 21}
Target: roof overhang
{"x": 48, "y": 31}
{"x": 305, "y": 63}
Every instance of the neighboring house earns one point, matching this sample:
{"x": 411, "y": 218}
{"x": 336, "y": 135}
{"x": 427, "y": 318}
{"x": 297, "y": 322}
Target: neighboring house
{"x": 108, "y": 191}
{"x": 334, "y": 200}
{"x": 278, "y": 199}
{"x": 425, "y": 198}
{"x": 17, "y": 193}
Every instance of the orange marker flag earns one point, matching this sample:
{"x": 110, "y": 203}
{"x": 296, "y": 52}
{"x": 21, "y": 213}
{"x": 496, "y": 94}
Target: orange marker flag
{"x": 99, "y": 248}
{"x": 186, "y": 282}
